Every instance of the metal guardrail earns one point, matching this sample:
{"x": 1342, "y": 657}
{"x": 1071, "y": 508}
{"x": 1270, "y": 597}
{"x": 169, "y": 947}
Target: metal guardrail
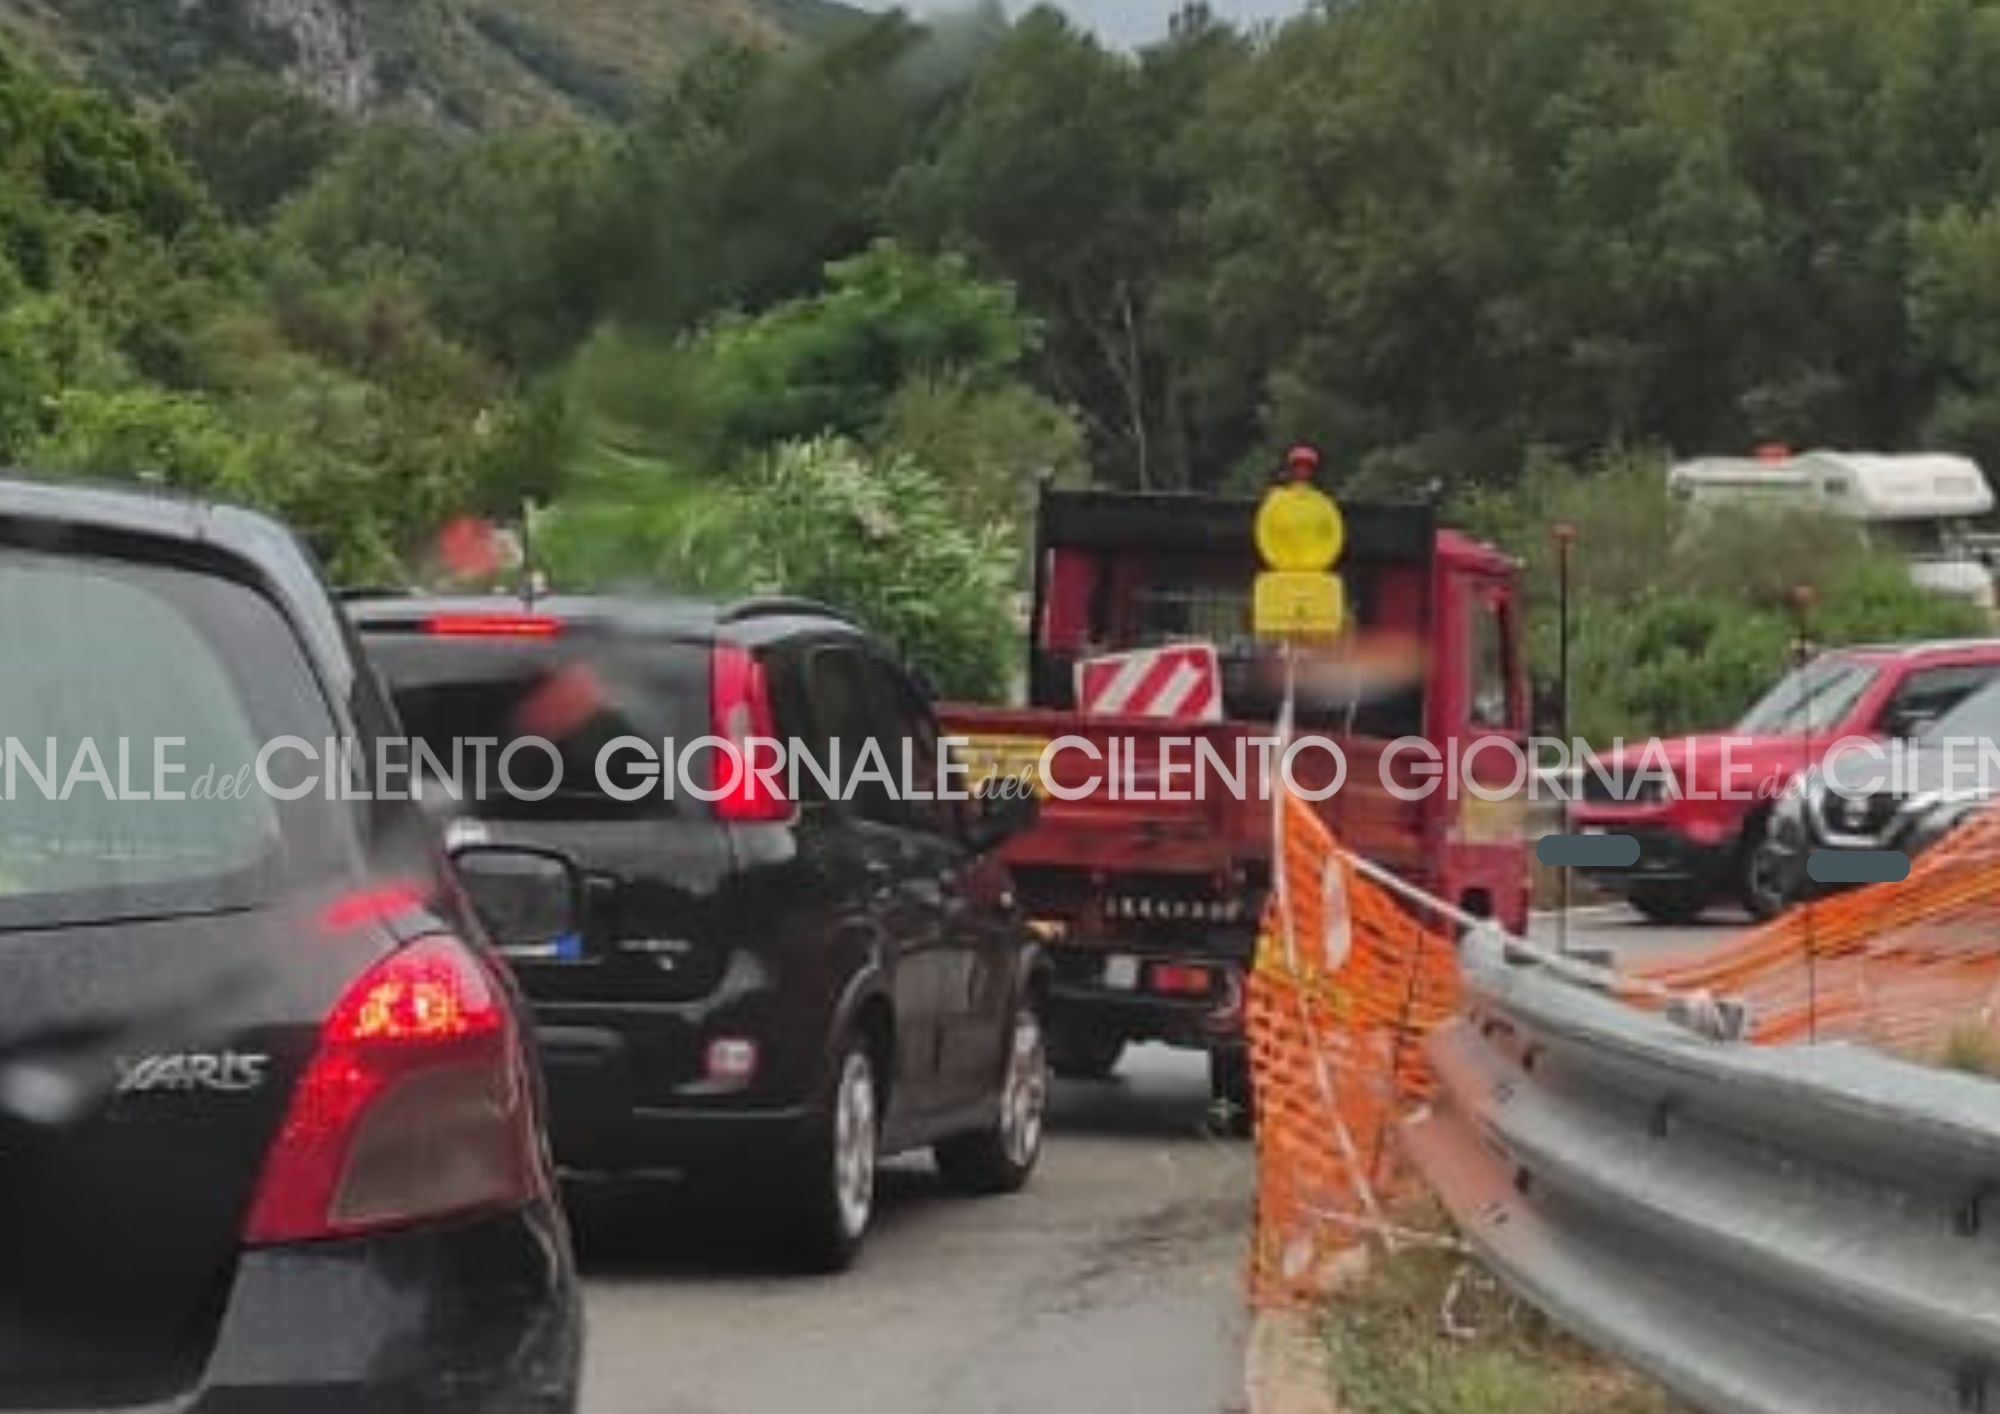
{"x": 1767, "y": 1231}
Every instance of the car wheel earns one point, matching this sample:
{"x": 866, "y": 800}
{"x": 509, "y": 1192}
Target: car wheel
{"x": 1232, "y": 1104}
{"x": 999, "y": 1159}
{"x": 1669, "y": 904}
{"x": 837, "y": 1200}
{"x": 1080, "y": 1052}
{"x": 1770, "y": 885}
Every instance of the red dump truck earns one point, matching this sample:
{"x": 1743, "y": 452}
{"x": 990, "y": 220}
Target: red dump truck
{"x": 1148, "y": 870}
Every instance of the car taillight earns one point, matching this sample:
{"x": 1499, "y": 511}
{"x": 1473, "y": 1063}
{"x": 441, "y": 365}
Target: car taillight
{"x": 415, "y": 1108}
{"x": 740, "y": 712}
{"x": 488, "y": 624}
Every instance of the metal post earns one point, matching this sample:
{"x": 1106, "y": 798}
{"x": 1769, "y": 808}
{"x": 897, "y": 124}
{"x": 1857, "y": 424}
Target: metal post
{"x": 528, "y": 554}
{"x": 1280, "y": 804}
{"x": 1804, "y": 601}
{"x": 1565, "y": 538}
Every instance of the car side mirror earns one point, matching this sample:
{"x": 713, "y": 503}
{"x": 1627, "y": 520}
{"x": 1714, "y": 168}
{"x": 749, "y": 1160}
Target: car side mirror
{"x": 530, "y": 900}
{"x": 1000, "y": 814}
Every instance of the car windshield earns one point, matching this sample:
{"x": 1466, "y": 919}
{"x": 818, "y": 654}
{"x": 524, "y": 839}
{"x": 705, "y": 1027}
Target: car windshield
{"x": 135, "y": 703}
{"x": 1975, "y": 719}
{"x": 1818, "y": 696}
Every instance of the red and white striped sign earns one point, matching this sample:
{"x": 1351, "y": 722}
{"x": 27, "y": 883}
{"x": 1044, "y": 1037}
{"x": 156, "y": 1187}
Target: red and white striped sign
{"x": 1178, "y": 684}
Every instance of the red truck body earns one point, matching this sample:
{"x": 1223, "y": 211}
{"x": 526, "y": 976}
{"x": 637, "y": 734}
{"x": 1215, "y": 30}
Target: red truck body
{"x": 1151, "y": 905}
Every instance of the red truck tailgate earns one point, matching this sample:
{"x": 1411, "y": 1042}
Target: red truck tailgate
{"x": 1202, "y": 826}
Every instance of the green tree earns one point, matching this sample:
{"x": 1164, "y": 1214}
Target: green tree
{"x": 991, "y": 446}
{"x": 171, "y": 438}
{"x": 874, "y": 538}
{"x": 756, "y": 169}
{"x": 1056, "y": 172}
{"x": 829, "y": 362}
{"x": 1447, "y": 231}
{"x": 503, "y": 235}
{"x": 255, "y": 140}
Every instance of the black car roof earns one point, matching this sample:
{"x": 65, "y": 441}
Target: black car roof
{"x": 56, "y": 518}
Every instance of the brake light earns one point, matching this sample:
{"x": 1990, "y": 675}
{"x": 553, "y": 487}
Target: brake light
{"x": 740, "y": 712}
{"x": 492, "y": 625}
{"x": 1177, "y": 979}
{"x": 415, "y": 1108}
{"x": 369, "y": 906}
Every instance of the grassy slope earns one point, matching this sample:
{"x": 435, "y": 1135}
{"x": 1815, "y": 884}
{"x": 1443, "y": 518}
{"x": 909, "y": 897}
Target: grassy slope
{"x": 1389, "y": 1354}
{"x": 598, "y": 54}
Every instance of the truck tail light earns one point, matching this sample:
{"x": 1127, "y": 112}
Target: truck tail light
{"x": 740, "y": 713}
{"x": 1180, "y": 980}
{"x": 415, "y": 1108}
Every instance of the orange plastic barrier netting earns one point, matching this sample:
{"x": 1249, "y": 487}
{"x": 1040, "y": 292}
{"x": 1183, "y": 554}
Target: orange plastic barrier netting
{"x": 1905, "y": 967}
{"x": 1347, "y": 986}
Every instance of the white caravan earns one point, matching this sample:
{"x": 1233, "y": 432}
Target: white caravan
{"x": 1923, "y": 506}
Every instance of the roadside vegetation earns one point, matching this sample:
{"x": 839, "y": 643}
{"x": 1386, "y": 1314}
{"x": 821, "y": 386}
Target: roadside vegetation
{"x": 1681, "y": 618}
{"x": 1510, "y": 253}
{"x": 1972, "y": 1049}
{"x": 1424, "y": 1333}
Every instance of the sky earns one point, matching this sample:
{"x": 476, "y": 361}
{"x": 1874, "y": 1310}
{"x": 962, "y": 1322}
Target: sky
{"x": 1136, "y": 21}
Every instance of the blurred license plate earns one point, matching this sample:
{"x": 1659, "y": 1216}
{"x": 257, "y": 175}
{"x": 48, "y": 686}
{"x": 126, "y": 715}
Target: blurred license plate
{"x": 1121, "y": 973}
{"x": 567, "y": 948}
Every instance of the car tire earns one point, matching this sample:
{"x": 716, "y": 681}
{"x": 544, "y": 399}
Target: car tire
{"x": 1232, "y": 1101}
{"x": 1669, "y": 905}
{"x": 1002, "y": 1157}
{"x": 1082, "y": 1052}
{"x": 1770, "y": 883}
{"x": 833, "y": 1201}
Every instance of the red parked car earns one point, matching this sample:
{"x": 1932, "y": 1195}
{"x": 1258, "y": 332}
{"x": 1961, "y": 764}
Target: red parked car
{"x": 1701, "y": 839}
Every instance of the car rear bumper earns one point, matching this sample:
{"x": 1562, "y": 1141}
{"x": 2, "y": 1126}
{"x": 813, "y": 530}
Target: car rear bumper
{"x": 478, "y": 1319}
{"x": 601, "y": 1121}
{"x": 694, "y": 1142}
{"x": 1079, "y": 994}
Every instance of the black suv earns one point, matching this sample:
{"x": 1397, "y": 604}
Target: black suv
{"x": 270, "y": 1132}
{"x": 766, "y": 990}
{"x": 1906, "y": 800}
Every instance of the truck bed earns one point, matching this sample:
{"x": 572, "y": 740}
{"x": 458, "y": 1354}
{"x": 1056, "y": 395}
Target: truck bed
{"x": 1221, "y": 836}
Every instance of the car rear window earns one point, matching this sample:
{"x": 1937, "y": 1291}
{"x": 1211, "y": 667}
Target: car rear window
{"x": 127, "y": 682}
{"x": 578, "y": 693}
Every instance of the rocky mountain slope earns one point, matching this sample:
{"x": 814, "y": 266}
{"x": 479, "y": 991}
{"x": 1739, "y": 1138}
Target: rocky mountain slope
{"x": 476, "y": 63}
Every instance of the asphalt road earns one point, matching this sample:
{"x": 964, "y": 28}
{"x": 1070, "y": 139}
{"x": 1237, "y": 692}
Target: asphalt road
{"x": 1114, "y": 1282}
{"x": 1617, "y": 927}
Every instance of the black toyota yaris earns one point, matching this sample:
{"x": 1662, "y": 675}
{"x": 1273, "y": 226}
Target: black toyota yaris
{"x": 269, "y": 1134}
